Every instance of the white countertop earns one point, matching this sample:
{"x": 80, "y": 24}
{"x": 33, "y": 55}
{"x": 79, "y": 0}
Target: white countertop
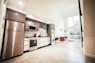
{"x": 34, "y": 38}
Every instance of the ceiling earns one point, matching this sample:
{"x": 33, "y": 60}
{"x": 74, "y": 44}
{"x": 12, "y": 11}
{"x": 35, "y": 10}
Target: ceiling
{"x": 46, "y": 9}
{"x": 64, "y": 7}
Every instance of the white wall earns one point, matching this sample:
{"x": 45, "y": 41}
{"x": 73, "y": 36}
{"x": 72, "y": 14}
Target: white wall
{"x": 66, "y": 26}
{"x": 89, "y": 27}
{"x": 58, "y": 20}
{"x": 39, "y": 9}
{"x": 45, "y": 11}
{"x": 59, "y": 28}
{"x": 2, "y": 14}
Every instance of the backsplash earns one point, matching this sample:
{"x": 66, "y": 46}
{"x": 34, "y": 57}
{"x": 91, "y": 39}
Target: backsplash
{"x": 42, "y": 32}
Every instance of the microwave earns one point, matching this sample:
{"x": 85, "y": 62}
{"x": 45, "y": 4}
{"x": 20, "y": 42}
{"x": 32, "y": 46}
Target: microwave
{"x": 32, "y": 27}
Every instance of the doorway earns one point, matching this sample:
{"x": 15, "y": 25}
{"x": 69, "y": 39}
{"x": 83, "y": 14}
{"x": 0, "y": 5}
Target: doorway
{"x": 74, "y": 32}
{"x": 73, "y": 23}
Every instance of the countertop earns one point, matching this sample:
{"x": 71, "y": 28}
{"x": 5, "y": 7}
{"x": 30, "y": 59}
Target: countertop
{"x": 33, "y": 38}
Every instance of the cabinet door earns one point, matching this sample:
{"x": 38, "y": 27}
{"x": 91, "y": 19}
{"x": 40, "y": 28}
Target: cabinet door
{"x": 43, "y": 25}
{"x": 31, "y": 23}
{"x": 26, "y": 42}
{"x": 37, "y": 26}
{"x": 45, "y": 41}
{"x": 14, "y": 15}
{"x": 26, "y": 26}
{"x": 26, "y": 47}
{"x": 42, "y": 42}
{"x": 39, "y": 42}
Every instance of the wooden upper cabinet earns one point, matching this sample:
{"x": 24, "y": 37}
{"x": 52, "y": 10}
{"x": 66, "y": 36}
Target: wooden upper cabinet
{"x": 37, "y": 26}
{"x": 43, "y": 25}
{"x": 32, "y": 23}
{"x": 26, "y": 26}
{"x": 14, "y": 15}
{"x": 52, "y": 26}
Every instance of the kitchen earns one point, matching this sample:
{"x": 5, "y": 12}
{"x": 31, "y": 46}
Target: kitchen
{"x": 36, "y": 33}
{"x": 23, "y": 33}
{"x": 27, "y": 26}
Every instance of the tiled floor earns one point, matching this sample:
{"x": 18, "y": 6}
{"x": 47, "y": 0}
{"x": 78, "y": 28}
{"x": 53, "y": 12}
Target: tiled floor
{"x": 63, "y": 52}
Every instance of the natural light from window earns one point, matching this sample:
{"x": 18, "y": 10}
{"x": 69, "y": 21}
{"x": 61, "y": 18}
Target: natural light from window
{"x": 73, "y": 21}
{"x": 74, "y": 27}
{"x": 70, "y": 21}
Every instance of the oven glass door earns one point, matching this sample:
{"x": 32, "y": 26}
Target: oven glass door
{"x": 33, "y": 43}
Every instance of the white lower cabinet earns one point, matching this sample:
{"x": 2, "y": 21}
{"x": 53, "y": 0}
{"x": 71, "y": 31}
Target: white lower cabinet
{"x": 26, "y": 48}
{"x": 26, "y": 44}
{"x": 43, "y": 41}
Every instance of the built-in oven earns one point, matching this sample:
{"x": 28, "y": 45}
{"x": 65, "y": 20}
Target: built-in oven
{"x": 33, "y": 44}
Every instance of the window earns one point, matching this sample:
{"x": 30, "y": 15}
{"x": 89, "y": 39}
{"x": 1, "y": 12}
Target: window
{"x": 74, "y": 27}
{"x": 73, "y": 21}
{"x": 76, "y": 20}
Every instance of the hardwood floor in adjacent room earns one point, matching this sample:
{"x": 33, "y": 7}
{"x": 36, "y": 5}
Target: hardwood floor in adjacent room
{"x": 62, "y": 52}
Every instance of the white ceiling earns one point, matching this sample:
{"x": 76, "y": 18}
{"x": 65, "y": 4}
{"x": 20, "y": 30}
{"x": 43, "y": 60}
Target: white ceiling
{"x": 48, "y": 10}
{"x": 64, "y": 7}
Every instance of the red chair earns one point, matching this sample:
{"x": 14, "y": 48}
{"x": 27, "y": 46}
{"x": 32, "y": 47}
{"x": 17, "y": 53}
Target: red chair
{"x": 65, "y": 37}
{"x": 62, "y": 39}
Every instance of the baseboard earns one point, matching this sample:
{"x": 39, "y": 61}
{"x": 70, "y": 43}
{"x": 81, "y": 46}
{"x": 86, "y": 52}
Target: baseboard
{"x": 89, "y": 55}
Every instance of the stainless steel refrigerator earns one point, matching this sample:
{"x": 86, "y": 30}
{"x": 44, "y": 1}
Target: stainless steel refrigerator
{"x": 13, "y": 37}
{"x": 52, "y": 36}
{"x": 51, "y": 33}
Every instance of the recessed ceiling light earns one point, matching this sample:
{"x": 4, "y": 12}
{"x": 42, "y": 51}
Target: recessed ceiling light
{"x": 20, "y": 3}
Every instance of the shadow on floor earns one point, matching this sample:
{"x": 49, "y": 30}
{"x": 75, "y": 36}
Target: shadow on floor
{"x": 89, "y": 59}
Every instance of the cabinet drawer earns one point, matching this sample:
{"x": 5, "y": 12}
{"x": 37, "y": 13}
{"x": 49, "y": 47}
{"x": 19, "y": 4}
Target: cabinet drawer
{"x": 26, "y": 42}
{"x": 39, "y": 45}
{"x": 26, "y": 48}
